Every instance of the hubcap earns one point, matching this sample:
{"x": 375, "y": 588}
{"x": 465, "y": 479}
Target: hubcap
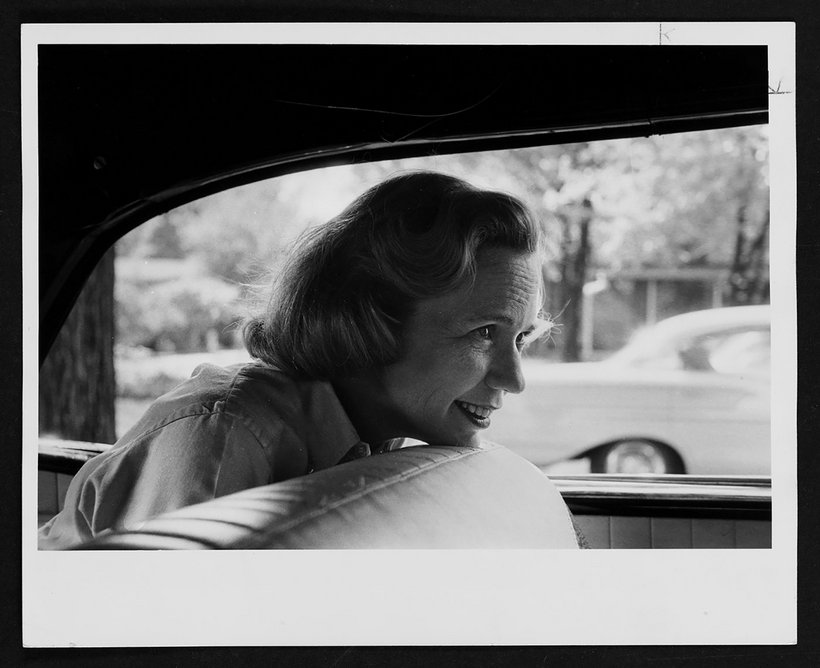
{"x": 635, "y": 457}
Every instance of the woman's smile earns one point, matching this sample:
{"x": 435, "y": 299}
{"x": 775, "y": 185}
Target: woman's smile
{"x": 479, "y": 415}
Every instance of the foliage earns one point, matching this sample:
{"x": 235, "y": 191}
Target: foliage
{"x": 177, "y": 314}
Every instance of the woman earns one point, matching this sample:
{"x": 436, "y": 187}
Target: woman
{"x": 403, "y": 317}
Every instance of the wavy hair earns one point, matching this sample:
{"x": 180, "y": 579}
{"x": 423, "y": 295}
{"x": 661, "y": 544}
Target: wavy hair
{"x": 348, "y": 287}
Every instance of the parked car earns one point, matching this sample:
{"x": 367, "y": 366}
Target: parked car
{"x": 689, "y": 394}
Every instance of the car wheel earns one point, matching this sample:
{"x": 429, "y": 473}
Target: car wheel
{"x": 635, "y": 456}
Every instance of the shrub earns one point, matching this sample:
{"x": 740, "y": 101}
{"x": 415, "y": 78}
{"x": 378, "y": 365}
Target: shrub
{"x": 176, "y": 315}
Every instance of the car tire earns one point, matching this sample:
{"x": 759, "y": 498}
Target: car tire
{"x": 635, "y": 456}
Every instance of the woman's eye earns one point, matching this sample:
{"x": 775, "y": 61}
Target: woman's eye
{"x": 522, "y": 340}
{"x": 484, "y": 333}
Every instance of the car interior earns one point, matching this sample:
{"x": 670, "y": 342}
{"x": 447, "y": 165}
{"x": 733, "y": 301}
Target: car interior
{"x": 127, "y": 132}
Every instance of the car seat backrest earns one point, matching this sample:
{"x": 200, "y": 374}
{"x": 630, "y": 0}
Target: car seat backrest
{"x": 417, "y": 497}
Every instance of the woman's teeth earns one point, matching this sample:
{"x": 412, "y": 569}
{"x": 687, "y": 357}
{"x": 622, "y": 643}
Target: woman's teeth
{"x": 480, "y": 412}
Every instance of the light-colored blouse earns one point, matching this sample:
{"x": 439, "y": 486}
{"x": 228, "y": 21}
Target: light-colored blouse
{"x": 221, "y": 431}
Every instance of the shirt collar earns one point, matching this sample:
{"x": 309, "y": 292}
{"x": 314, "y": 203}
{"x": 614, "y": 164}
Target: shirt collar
{"x": 330, "y": 432}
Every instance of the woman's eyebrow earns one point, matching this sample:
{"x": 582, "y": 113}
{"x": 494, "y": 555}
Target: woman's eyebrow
{"x": 490, "y": 317}
{"x": 501, "y": 318}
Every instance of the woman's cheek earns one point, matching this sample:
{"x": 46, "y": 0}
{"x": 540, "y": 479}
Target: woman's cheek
{"x": 472, "y": 356}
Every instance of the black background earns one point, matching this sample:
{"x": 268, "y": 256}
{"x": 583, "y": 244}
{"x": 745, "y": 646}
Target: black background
{"x": 13, "y": 13}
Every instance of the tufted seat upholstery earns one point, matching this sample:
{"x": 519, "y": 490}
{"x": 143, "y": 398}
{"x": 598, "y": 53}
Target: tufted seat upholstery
{"x": 418, "y": 497}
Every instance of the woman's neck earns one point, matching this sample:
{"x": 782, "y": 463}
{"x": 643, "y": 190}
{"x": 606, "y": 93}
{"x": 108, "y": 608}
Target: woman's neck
{"x": 360, "y": 397}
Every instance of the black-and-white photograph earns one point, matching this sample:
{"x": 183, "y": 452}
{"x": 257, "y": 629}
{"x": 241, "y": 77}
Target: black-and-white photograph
{"x": 513, "y": 296}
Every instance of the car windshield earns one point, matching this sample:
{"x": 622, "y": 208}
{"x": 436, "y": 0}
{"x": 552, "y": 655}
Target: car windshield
{"x": 727, "y": 348}
{"x": 637, "y": 231}
{"x": 747, "y": 351}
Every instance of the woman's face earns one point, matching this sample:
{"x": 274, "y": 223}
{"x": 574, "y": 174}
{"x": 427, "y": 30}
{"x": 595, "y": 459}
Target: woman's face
{"x": 461, "y": 353}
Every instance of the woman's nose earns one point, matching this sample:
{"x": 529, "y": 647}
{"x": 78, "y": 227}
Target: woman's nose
{"x": 505, "y": 372}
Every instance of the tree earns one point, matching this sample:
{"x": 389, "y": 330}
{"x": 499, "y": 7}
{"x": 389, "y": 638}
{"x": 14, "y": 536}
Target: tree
{"x": 77, "y": 381}
{"x": 749, "y": 278}
{"x": 574, "y": 261}
{"x": 687, "y": 198}
{"x": 185, "y": 314}
{"x": 164, "y": 240}
{"x": 748, "y": 282}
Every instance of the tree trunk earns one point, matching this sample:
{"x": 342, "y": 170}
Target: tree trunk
{"x": 749, "y": 279}
{"x": 77, "y": 383}
{"x": 748, "y": 282}
{"x": 573, "y": 276}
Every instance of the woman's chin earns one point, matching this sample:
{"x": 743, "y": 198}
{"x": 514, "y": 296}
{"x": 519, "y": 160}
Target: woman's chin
{"x": 467, "y": 439}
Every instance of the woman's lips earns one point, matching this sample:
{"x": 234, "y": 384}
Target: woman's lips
{"x": 477, "y": 414}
